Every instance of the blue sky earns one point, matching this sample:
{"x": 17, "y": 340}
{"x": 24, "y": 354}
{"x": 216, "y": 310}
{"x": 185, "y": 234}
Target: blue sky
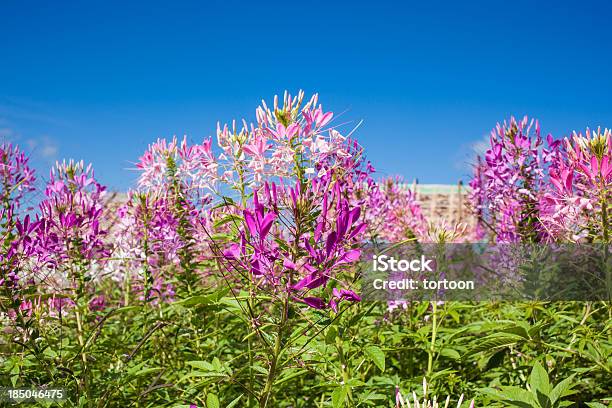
{"x": 99, "y": 80}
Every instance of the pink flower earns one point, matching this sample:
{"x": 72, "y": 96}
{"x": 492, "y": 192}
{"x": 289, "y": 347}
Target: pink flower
{"x": 16, "y": 178}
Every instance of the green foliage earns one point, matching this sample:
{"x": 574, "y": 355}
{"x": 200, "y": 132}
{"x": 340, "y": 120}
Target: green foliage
{"x": 540, "y": 392}
{"x": 199, "y": 350}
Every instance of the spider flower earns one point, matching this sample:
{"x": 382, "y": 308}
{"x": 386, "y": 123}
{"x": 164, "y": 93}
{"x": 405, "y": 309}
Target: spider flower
{"x": 72, "y": 229}
{"x": 426, "y": 401}
{"x": 16, "y": 176}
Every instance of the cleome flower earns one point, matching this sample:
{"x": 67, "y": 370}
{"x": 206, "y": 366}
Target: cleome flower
{"x": 427, "y": 401}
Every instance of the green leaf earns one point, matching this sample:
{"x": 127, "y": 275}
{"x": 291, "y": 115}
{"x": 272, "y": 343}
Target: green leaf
{"x": 354, "y": 382}
{"x": 290, "y": 375}
{"x": 229, "y": 218}
{"x": 450, "y": 353}
{"x": 202, "y": 365}
{"x": 234, "y": 402}
{"x": 496, "y": 341}
{"x": 197, "y": 300}
{"x": 539, "y": 379}
{"x": 208, "y": 374}
{"x": 330, "y": 336}
{"x": 377, "y": 356}
{"x": 516, "y": 395}
{"x": 212, "y": 401}
{"x": 338, "y": 396}
{"x": 595, "y": 405}
{"x": 144, "y": 371}
{"x": 563, "y": 389}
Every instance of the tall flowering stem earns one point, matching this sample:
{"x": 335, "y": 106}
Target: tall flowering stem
{"x": 72, "y": 241}
{"x": 16, "y": 242}
{"x": 16, "y": 176}
{"x": 508, "y": 182}
{"x": 300, "y": 190}
{"x": 148, "y": 246}
{"x": 181, "y": 178}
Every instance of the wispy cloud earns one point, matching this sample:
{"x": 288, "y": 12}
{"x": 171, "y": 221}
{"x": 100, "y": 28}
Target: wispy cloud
{"x": 481, "y": 146}
{"x": 22, "y": 110}
{"x": 44, "y": 146}
{"x": 467, "y": 152}
{"x": 6, "y": 133}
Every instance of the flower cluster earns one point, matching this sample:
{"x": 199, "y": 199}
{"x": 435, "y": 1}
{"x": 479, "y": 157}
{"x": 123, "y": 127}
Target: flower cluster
{"x": 312, "y": 177}
{"x": 17, "y": 247}
{"x": 288, "y": 141}
{"x": 526, "y": 189}
{"x": 72, "y": 234}
{"x": 172, "y": 165}
{"x": 576, "y": 204}
{"x": 148, "y": 245}
{"x": 16, "y": 176}
{"x": 394, "y": 213}
{"x": 16, "y": 242}
{"x": 298, "y": 239}
{"x": 507, "y": 181}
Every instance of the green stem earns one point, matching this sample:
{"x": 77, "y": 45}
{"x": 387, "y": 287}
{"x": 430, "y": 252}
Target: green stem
{"x": 81, "y": 341}
{"x": 434, "y": 331}
{"x": 604, "y": 220}
{"x": 606, "y": 243}
{"x": 343, "y": 365}
{"x": 267, "y": 391}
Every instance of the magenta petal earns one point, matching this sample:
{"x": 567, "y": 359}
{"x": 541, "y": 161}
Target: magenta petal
{"x": 333, "y": 305}
{"x": 266, "y": 224}
{"x": 331, "y": 242}
{"x": 350, "y": 295}
{"x": 232, "y": 252}
{"x": 309, "y": 268}
{"x": 302, "y": 283}
{"x": 309, "y": 248}
{"x": 319, "y": 231}
{"x": 355, "y": 214}
{"x": 314, "y": 302}
{"x": 351, "y": 256}
{"x": 357, "y": 231}
{"x": 315, "y": 283}
{"x": 250, "y": 221}
{"x": 289, "y": 265}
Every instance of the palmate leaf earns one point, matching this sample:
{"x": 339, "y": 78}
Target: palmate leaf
{"x": 515, "y": 396}
{"x": 541, "y": 394}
